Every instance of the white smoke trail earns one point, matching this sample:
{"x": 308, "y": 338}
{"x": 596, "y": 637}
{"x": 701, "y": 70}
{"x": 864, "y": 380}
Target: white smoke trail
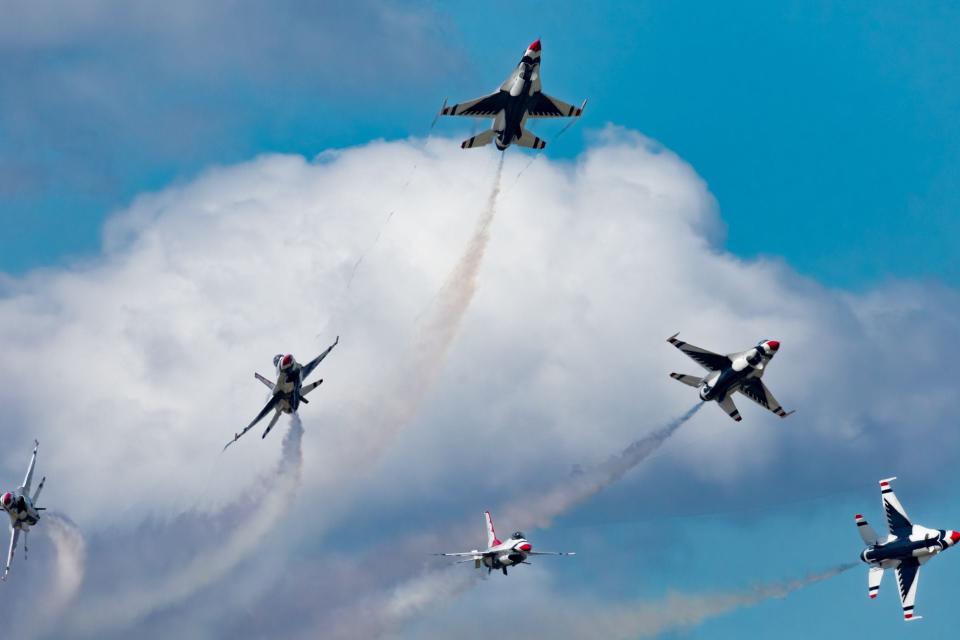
{"x": 539, "y": 512}
{"x": 69, "y": 572}
{"x": 118, "y": 610}
{"x": 672, "y": 612}
{"x": 389, "y": 611}
{"x": 386, "y": 614}
{"x": 435, "y": 335}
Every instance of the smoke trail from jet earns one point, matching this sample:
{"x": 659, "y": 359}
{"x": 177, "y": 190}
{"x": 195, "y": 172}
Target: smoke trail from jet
{"x": 432, "y": 588}
{"x": 386, "y": 614}
{"x": 540, "y": 512}
{"x": 436, "y": 332}
{"x": 677, "y": 610}
{"x": 69, "y": 571}
{"x": 275, "y": 495}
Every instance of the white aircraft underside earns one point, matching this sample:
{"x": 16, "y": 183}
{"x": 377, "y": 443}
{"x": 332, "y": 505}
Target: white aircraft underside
{"x": 906, "y": 547}
{"x": 288, "y": 391}
{"x": 22, "y": 510}
{"x": 518, "y": 98}
{"x": 731, "y": 373}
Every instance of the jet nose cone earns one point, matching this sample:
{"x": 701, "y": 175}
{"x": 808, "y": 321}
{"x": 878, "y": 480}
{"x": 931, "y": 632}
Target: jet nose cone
{"x": 526, "y": 546}
{"x": 773, "y": 344}
{"x": 535, "y": 45}
{"x": 954, "y": 536}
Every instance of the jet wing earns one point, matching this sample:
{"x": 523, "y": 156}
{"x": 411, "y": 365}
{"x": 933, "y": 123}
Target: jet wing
{"x": 485, "y": 107}
{"x": 897, "y": 519}
{"x": 27, "y": 479}
{"x": 758, "y": 392}
{"x": 310, "y": 366}
{"x": 707, "y": 359}
{"x": 548, "y": 107}
{"x": 270, "y": 406}
{"x": 466, "y": 553}
{"x": 14, "y": 536}
{"x": 908, "y": 574}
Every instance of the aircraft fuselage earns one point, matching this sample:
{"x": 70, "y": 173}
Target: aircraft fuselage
{"x": 509, "y": 553}
{"x": 509, "y": 123}
{"x": 746, "y": 365}
{"x": 921, "y": 543}
{"x": 22, "y": 513}
{"x": 288, "y": 385}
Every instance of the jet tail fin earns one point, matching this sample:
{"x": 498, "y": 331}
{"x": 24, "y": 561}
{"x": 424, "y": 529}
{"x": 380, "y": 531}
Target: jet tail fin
{"x": 869, "y": 536}
{"x": 527, "y": 139}
{"x": 492, "y": 540}
{"x": 479, "y": 140}
{"x": 690, "y": 381}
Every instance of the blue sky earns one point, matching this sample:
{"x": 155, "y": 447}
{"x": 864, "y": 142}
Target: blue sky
{"x": 826, "y": 132}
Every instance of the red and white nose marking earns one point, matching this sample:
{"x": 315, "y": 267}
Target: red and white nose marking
{"x": 773, "y": 344}
{"x": 525, "y": 546}
{"x": 952, "y": 537}
{"x": 7, "y": 500}
{"x": 534, "y": 46}
{"x": 286, "y": 361}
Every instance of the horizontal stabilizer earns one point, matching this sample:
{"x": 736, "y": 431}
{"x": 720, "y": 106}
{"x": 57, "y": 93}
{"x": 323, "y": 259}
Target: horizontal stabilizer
{"x": 273, "y": 421}
{"x": 479, "y": 140}
{"x": 727, "y": 405}
{"x": 690, "y": 381}
{"x": 866, "y": 531}
{"x": 310, "y": 387}
{"x": 874, "y": 576}
{"x": 529, "y": 140}
{"x": 266, "y": 382}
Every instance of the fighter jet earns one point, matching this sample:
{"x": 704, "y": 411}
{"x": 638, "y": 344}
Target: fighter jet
{"x": 288, "y": 391}
{"x": 517, "y": 99}
{"x": 730, "y": 373}
{"x": 905, "y": 548}
{"x": 22, "y": 509}
{"x": 500, "y": 555}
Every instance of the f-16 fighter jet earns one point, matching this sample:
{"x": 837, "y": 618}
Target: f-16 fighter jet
{"x": 288, "y": 391}
{"x": 730, "y": 373}
{"x": 500, "y": 555}
{"x": 22, "y": 509}
{"x": 904, "y": 549}
{"x": 517, "y": 99}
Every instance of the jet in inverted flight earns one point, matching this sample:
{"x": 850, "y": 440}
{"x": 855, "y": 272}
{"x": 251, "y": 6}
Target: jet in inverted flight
{"x": 517, "y": 99}
{"x": 288, "y": 391}
{"x": 904, "y": 549}
{"x": 727, "y": 374}
{"x": 500, "y": 555}
{"x": 22, "y": 509}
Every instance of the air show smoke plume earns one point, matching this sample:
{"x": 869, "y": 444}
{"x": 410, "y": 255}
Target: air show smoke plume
{"x": 438, "y": 328}
{"x": 237, "y": 539}
{"x": 70, "y": 569}
{"x": 540, "y": 513}
{"x": 679, "y": 610}
{"x": 410, "y": 598}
